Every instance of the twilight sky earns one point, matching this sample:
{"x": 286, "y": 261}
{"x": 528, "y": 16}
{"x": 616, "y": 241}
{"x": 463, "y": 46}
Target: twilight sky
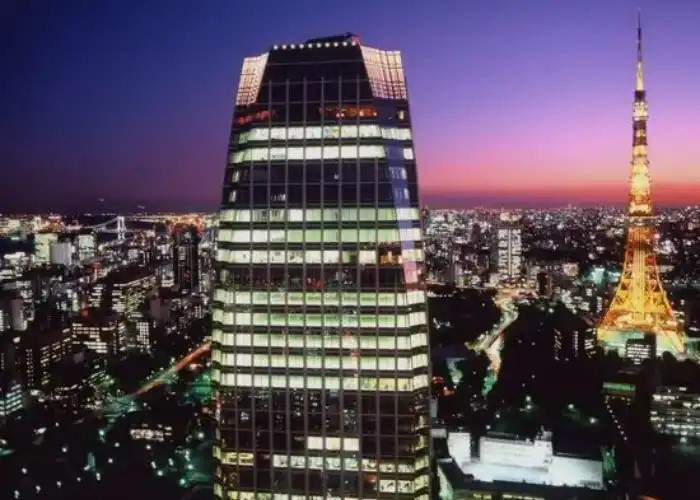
{"x": 514, "y": 102}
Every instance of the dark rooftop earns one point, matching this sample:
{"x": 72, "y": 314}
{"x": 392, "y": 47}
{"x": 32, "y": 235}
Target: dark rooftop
{"x": 345, "y": 37}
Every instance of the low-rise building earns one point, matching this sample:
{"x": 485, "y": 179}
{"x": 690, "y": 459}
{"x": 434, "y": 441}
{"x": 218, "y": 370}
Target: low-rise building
{"x": 505, "y": 466}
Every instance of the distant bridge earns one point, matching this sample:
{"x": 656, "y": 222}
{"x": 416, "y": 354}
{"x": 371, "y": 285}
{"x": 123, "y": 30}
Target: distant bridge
{"x": 114, "y": 225}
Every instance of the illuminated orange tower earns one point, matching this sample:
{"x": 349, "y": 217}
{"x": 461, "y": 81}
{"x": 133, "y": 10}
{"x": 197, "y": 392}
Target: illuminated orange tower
{"x": 640, "y": 305}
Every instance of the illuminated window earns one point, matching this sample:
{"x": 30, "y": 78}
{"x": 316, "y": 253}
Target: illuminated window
{"x": 327, "y": 132}
{"x": 251, "y": 77}
{"x": 385, "y": 72}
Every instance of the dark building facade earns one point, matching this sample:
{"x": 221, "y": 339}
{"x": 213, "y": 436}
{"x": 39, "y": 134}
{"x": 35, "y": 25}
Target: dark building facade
{"x": 319, "y": 342}
{"x": 186, "y": 259}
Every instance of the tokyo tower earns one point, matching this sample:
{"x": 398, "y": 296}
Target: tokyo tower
{"x": 640, "y": 306}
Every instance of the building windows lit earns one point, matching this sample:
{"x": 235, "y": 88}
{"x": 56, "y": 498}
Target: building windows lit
{"x": 319, "y": 338}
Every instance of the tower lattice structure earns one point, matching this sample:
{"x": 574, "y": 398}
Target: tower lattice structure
{"x": 640, "y": 305}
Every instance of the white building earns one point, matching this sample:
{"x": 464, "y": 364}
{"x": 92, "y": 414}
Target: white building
{"x": 62, "y": 253}
{"x": 508, "y": 251}
{"x": 42, "y": 247}
{"x": 523, "y": 460}
{"x": 87, "y": 244}
{"x": 9, "y": 226}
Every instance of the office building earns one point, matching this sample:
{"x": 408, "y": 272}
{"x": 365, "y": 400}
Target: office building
{"x": 640, "y": 347}
{"x": 86, "y": 244}
{"x": 186, "y": 259}
{"x": 12, "y": 311}
{"x": 320, "y": 349}
{"x": 62, "y": 253}
{"x": 42, "y": 247}
{"x": 11, "y": 396}
{"x": 573, "y": 341}
{"x": 144, "y": 334}
{"x": 99, "y": 332}
{"x": 675, "y": 411}
{"x": 38, "y": 351}
{"x": 10, "y": 226}
{"x": 508, "y": 249}
{"x": 129, "y": 289}
{"x": 124, "y": 291}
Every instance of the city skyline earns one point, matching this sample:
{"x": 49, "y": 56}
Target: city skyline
{"x": 552, "y": 80}
{"x": 349, "y": 250}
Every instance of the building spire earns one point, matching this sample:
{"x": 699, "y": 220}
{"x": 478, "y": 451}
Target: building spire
{"x": 640, "y": 71}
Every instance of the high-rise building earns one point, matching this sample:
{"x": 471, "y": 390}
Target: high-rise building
{"x": 508, "y": 251}
{"x": 42, "y": 247}
{"x": 640, "y": 305}
{"x": 86, "y": 243}
{"x": 129, "y": 288}
{"x": 123, "y": 291}
{"x": 186, "y": 259}
{"x": 12, "y": 313}
{"x": 39, "y": 351}
{"x": 61, "y": 253}
{"x": 320, "y": 348}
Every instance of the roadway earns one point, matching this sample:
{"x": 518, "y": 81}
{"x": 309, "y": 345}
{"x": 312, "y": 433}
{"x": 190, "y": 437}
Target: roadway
{"x": 163, "y": 376}
{"x": 492, "y": 342}
{"x": 119, "y": 406}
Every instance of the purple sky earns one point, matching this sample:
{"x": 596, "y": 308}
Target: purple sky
{"x": 514, "y": 102}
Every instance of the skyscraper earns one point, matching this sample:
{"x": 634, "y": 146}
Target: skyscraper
{"x": 186, "y": 258}
{"x": 42, "y": 247}
{"x": 61, "y": 253}
{"x": 86, "y": 243}
{"x": 640, "y": 306}
{"x": 320, "y": 348}
{"x": 508, "y": 251}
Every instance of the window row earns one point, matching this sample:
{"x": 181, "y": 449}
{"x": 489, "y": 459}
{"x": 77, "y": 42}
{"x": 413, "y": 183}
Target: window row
{"x": 327, "y": 132}
{"x": 338, "y": 463}
{"x": 364, "y": 342}
{"x": 365, "y": 257}
{"x": 319, "y": 215}
{"x": 230, "y": 297}
{"x": 332, "y": 443}
{"x": 315, "y": 194}
{"x": 314, "y": 278}
{"x": 322, "y": 362}
{"x": 320, "y": 383}
{"x": 312, "y": 174}
{"x": 314, "y": 153}
{"x": 257, "y": 495}
{"x": 321, "y": 320}
{"x": 319, "y": 235}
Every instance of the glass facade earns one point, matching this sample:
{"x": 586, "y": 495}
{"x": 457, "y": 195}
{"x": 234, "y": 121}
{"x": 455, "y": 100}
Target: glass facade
{"x": 320, "y": 347}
